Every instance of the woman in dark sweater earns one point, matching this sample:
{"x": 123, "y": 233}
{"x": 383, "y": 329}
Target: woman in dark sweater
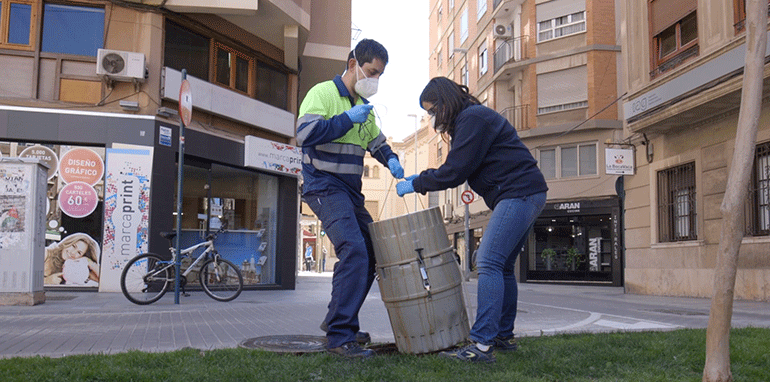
{"x": 486, "y": 152}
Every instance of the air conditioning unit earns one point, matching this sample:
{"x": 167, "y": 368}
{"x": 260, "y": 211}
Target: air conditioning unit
{"x": 120, "y": 66}
{"x": 447, "y": 211}
{"x": 503, "y": 31}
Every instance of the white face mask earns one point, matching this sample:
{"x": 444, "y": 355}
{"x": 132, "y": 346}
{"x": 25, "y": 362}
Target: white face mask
{"x": 365, "y": 87}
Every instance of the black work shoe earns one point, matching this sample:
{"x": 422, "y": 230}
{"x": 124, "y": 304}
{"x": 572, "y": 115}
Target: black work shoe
{"x": 362, "y": 337}
{"x": 505, "y": 345}
{"x": 352, "y": 350}
{"x": 469, "y": 353}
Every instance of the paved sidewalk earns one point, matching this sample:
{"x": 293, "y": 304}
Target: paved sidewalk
{"x": 91, "y": 323}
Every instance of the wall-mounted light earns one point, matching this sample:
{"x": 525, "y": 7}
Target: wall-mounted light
{"x": 166, "y": 112}
{"x": 129, "y": 105}
{"x": 649, "y": 151}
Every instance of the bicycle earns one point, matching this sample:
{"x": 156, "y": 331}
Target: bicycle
{"x": 147, "y": 277}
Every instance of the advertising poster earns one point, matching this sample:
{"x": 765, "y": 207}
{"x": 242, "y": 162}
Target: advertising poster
{"x": 126, "y": 211}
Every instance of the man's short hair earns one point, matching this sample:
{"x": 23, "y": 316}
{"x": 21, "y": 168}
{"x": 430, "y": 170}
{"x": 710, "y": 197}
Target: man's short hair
{"x": 367, "y": 50}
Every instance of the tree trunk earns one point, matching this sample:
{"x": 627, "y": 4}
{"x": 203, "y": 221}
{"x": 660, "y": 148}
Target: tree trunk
{"x": 717, "y": 367}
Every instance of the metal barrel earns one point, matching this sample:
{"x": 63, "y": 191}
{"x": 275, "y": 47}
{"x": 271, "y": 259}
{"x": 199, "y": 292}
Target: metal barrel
{"x": 420, "y": 282}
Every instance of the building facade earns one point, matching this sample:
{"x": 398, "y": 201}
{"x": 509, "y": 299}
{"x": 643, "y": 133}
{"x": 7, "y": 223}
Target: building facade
{"x": 92, "y": 88}
{"x": 683, "y": 73}
{"x": 549, "y": 67}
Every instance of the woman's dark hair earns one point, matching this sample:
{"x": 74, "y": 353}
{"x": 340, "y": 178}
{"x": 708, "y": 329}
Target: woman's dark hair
{"x": 448, "y": 99}
{"x": 367, "y": 50}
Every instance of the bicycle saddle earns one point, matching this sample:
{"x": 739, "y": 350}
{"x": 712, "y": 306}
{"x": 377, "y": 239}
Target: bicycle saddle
{"x": 168, "y": 235}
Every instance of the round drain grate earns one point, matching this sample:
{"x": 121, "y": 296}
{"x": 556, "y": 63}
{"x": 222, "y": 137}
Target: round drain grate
{"x": 297, "y": 344}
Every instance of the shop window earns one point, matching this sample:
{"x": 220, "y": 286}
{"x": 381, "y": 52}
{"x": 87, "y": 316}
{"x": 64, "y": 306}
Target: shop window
{"x": 575, "y": 243}
{"x": 17, "y": 24}
{"x": 72, "y": 29}
{"x": 561, "y": 26}
{"x": 245, "y": 203}
{"x": 758, "y": 205}
{"x": 186, "y": 50}
{"x": 676, "y": 204}
{"x": 573, "y": 161}
{"x": 740, "y": 15}
{"x": 674, "y": 28}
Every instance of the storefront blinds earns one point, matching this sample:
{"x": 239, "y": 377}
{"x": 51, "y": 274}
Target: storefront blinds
{"x": 664, "y": 13}
{"x": 559, "y": 8}
{"x": 562, "y": 87}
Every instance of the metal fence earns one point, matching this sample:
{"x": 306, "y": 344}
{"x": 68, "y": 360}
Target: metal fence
{"x": 511, "y": 51}
{"x": 517, "y": 116}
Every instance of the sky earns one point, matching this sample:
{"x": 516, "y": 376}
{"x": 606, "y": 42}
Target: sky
{"x": 405, "y": 35}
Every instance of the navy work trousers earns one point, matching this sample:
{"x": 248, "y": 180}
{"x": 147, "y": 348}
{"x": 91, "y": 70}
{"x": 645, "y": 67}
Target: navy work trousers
{"x": 347, "y": 226}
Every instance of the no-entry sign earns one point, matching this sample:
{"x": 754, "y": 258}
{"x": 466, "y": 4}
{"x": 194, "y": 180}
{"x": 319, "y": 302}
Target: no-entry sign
{"x": 467, "y": 196}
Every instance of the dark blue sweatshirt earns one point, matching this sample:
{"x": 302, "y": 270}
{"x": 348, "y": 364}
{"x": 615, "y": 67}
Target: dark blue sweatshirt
{"x": 487, "y": 152}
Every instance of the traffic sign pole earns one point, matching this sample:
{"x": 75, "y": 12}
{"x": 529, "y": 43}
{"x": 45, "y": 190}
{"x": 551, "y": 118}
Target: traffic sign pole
{"x": 185, "y": 114}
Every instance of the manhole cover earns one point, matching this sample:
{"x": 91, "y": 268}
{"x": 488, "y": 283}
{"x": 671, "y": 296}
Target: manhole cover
{"x": 297, "y": 344}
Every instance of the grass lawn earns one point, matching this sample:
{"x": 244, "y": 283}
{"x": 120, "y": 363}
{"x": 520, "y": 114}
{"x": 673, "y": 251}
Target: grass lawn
{"x": 643, "y": 356}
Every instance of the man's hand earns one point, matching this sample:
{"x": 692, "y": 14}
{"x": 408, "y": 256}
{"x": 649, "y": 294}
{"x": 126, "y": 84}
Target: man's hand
{"x": 395, "y": 168}
{"x": 359, "y": 113}
{"x": 404, "y": 187}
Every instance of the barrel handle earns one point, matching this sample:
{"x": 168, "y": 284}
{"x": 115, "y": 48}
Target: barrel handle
{"x": 423, "y": 273}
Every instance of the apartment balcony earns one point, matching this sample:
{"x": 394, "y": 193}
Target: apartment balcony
{"x": 511, "y": 51}
{"x": 517, "y": 116}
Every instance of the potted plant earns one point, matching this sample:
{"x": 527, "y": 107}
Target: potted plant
{"x": 548, "y": 256}
{"x": 574, "y": 257}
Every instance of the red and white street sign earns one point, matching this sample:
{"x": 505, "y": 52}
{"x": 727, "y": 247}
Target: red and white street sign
{"x": 467, "y": 196}
{"x": 185, "y": 102}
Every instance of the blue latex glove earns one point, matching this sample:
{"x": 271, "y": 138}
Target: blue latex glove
{"x": 404, "y": 187}
{"x": 395, "y": 168}
{"x": 411, "y": 177}
{"x": 359, "y": 113}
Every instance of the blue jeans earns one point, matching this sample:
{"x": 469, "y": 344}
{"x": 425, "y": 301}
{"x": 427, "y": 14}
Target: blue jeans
{"x": 503, "y": 239}
{"x": 347, "y": 227}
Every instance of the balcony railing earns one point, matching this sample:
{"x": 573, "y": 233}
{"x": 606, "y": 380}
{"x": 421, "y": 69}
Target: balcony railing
{"x": 675, "y": 61}
{"x": 511, "y": 51}
{"x": 517, "y": 116}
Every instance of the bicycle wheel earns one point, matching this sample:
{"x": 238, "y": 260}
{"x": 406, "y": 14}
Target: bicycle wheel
{"x": 220, "y": 279}
{"x": 145, "y": 278}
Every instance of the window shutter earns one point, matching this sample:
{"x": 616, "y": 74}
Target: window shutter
{"x": 559, "y": 8}
{"x": 562, "y": 87}
{"x": 665, "y": 13}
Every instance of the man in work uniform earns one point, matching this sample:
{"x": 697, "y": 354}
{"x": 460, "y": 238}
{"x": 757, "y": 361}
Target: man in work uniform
{"x": 335, "y": 130}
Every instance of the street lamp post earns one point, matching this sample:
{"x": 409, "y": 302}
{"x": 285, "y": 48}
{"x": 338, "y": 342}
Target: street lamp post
{"x": 416, "y": 124}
